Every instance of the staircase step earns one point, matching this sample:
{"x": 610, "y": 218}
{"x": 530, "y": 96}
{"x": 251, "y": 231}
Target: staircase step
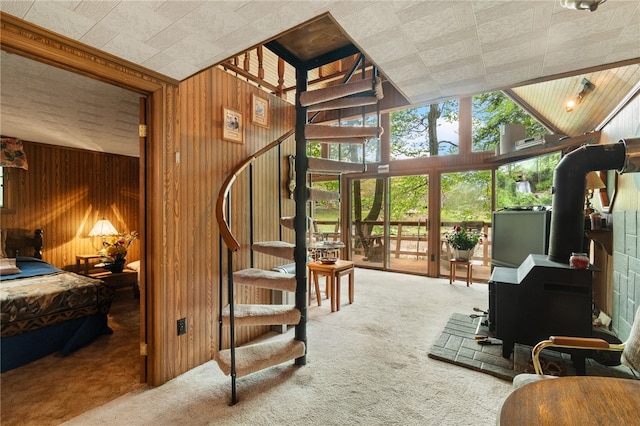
{"x": 266, "y": 279}
{"x": 335, "y": 92}
{"x": 275, "y": 248}
{"x": 246, "y": 315}
{"x": 287, "y": 221}
{"x": 316, "y": 194}
{"x": 325, "y": 165}
{"x": 350, "y": 102}
{"x": 319, "y": 131}
{"x": 252, "y": 358}
{"x": 350, "y": 141}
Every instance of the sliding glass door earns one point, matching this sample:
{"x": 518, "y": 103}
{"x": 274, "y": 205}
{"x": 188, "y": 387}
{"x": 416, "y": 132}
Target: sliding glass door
{"x": 367, "y": 222}
{"x": 408, "y": 223}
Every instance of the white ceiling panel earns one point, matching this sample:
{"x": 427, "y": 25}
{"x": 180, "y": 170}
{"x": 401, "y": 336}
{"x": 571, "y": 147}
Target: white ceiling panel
{"x": 429, "y": 50}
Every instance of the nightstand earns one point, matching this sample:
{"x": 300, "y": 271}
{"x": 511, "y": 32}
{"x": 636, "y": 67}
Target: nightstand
{"x": 87, "y": 259}
{"x": 126, "y": 278}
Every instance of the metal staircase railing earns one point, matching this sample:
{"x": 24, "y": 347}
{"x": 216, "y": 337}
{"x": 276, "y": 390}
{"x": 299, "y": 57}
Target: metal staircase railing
{"x": 227, "y": 238}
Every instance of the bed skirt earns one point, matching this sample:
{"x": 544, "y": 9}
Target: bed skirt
{"x": 64, "y": 337}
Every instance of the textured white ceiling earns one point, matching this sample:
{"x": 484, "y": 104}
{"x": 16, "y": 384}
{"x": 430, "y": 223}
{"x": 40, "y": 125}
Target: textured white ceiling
{"x": 430, "y": 50}
{"x": 45, "y": 104}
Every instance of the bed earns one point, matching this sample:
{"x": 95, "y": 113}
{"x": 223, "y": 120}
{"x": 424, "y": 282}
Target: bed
{"x": 43, "y": 309}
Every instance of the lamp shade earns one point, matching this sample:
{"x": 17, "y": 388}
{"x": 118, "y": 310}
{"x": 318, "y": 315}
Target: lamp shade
{"x": 594, "y": 181}
{"x": 103, "y": 228}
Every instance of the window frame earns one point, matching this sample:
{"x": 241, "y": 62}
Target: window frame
{"x": 8, "y": 200}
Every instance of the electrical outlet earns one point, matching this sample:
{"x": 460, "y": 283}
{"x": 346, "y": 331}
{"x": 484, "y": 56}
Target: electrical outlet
{"x": 182, "y": 326}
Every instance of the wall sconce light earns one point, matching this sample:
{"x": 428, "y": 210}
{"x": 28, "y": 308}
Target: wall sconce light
{"x": 590, "y": 5}
{"x": 587, "y": 87}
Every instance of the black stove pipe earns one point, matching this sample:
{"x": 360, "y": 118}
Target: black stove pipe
{"x": 569, "y": 188}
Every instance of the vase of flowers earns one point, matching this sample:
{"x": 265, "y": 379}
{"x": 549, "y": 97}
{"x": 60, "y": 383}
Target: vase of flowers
{"x": 115, "y": 249}
{"x": 463, "y": 242}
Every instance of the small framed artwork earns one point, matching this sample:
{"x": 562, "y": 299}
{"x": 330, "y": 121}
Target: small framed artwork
{"x": 259, "y": 111}
{"x": 233, "y": 128}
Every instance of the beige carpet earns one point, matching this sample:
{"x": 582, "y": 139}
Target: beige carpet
{"x": 367, "y": 364}
{"x": 53, "y": 389}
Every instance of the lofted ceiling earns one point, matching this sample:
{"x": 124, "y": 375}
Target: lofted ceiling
{"x": 428, "y": 50}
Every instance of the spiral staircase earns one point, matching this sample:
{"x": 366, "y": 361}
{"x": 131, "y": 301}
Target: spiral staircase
{"x": 246, "y": 359}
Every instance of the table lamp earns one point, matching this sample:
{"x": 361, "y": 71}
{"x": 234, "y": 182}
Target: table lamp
{"x": 593, "y": 182}
{"x": 103, "y": 228}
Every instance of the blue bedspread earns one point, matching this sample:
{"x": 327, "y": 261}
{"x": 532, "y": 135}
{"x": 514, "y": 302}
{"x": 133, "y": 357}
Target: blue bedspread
{"x": 45, "y": 310}
{"x": 31, "y": 267}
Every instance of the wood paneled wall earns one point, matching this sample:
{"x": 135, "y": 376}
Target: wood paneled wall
{"x": 65, "y": 191}
{"x": 193, "y": 250}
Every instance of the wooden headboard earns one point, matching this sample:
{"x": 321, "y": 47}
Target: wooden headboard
{"x": 19, "y": 243}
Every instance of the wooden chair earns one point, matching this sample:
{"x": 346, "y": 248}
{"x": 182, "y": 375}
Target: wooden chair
{"x": 630, "y": 351}
{"x": 630, "y": 348}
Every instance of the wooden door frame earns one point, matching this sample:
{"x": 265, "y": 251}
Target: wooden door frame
{"x": 33, "y": 42}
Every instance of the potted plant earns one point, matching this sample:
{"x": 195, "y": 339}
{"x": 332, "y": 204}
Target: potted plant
{"x": 463, "y": 242}
{"x": 116, "y": 251}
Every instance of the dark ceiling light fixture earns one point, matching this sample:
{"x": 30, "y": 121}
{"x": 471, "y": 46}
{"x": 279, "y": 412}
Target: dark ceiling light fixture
{"x": 587, "y": 87}
{"x": 590, "y": 5}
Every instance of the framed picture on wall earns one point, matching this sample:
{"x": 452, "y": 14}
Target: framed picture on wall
{"x": 233, "y": 128}
{"x": 259, "y": 111}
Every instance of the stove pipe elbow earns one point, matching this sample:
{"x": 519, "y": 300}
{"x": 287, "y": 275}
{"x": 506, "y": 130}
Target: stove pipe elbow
{"x": 569, "y": 188}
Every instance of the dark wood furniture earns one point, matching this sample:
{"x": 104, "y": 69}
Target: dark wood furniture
{"x": 126, "y": 278}
{"x": 573, "y": 401}
{"x": 86, "y": 261}
{"x": 19, "y": 242}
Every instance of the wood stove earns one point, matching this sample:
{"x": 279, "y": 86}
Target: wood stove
{"x": 539, "y": 298}
{"x": 544, "y": 296}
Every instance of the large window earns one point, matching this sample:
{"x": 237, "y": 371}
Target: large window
{"x": 367, "y": 218}
{"x": 489, "y": 111}
{"x": 351, "y": 153}
{"x": 466, "y": 202}
{"x": 408, "y": 227}
{"x": 527, "y": 182}
{"x": 425, "y": 131}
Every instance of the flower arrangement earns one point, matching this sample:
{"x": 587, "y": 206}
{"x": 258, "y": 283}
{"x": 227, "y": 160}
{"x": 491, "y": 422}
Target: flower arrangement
{"x": 116, "y": 246}
{"x": 462, "y": 239}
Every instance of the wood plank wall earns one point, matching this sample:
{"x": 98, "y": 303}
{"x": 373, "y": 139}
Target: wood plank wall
{"x": 205, "y": 160}
{"x": 65, "y": 191}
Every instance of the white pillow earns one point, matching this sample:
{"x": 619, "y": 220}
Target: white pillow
{"x": 8, "y": 267}
{"x": 134, "y": 265}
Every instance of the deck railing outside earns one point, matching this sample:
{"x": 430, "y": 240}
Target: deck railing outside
{"x": 408, "y": 238}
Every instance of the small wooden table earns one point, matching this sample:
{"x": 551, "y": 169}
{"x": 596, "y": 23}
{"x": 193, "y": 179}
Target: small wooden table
{"x": 333, "y": 272}
{"x": 86, "y": 258}
{"x": 452, "y": 270}
{"x": 576, "y": 400}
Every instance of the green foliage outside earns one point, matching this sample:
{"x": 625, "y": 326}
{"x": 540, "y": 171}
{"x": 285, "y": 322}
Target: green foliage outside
{"x": 414, "y": 131}
{"x": 465, "y": 196}
{"x": 490, "y": 111}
